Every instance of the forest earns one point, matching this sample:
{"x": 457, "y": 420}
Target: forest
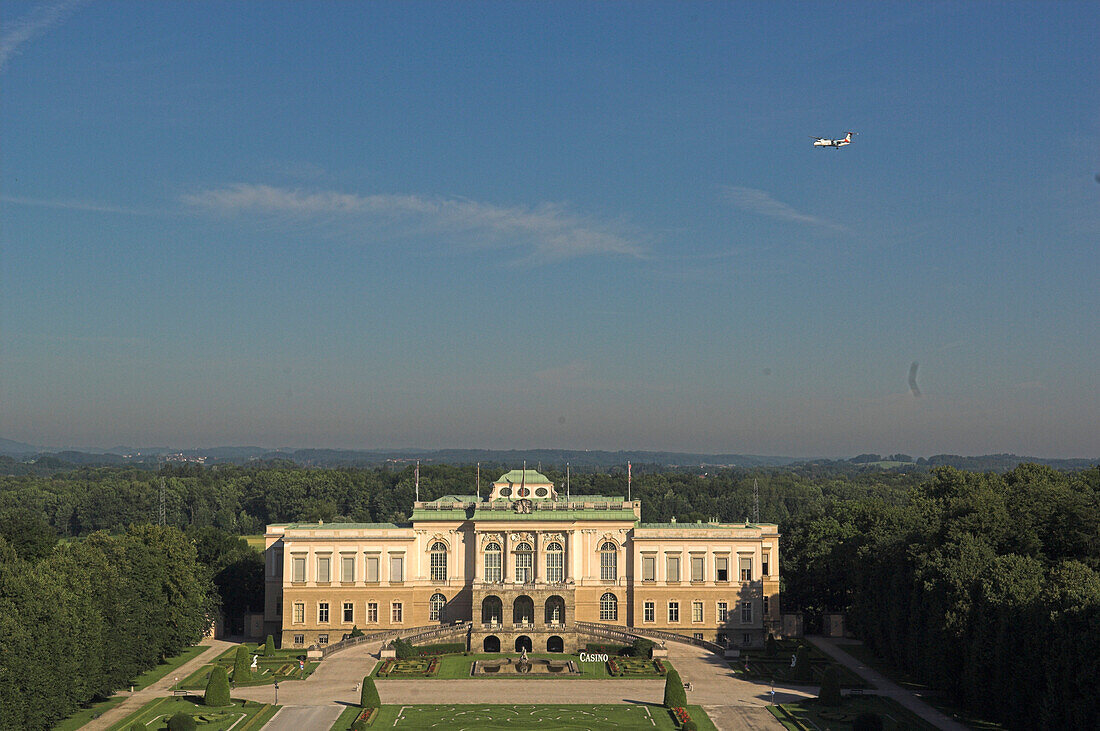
{"x": 985, "y": 585}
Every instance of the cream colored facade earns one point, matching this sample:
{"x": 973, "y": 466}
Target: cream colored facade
{"x": 523, "y": 565}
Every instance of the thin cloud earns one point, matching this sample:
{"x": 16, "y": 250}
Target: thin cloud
{"x": 71, "y": 205}
{"x": 761, "y": 202}
{"x": 549, "y": 231}
{"x": 34, "y": 23}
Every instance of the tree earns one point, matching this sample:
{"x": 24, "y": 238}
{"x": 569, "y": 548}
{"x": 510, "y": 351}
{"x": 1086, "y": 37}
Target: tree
{"x": 217, "y": 688}
{"x": 675, "y": 697}
{"x": 368, "y": 697}
{"x": 829, "y": 695}
{"x": 641, "y": 647}
{"x": 181, "y": 722}
{"x": 269, "y": 647}
{"x": 242, "y": 669}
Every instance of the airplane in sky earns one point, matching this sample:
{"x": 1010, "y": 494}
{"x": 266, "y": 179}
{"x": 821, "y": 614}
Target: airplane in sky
{"x": 826, "y": 142}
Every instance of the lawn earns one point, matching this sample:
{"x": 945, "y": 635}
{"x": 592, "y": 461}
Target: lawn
{"x": 459, "y": 717}
{"x": 153, "y": 675}
{"x": 240, "y": 716}
{"x": 809, "y": 715}
{"x": 84, "y": 715}
{"x": 255, "y": 542}
{"x": 865, "y": 655}
{"x": 457, "y": 667}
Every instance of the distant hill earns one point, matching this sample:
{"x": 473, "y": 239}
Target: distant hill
{"x": 17, "y": 449}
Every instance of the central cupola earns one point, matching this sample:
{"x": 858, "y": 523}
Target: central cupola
{"x": 523, "y": 485}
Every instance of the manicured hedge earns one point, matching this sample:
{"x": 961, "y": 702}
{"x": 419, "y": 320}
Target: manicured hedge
{"x": 607, "y": 648}
{"x": 675, "y": 697}
{"x": 446, "y": 648}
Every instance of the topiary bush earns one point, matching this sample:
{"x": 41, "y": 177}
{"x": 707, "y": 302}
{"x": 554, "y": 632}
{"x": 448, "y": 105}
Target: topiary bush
{"x": 269, "y": 646}
{"x": 771, "y": 647}
{"x": 829, "y": 695}
{"x": 801, "y": 669}
{"x": 181, "y": 722}
{"x": 217, "y": 688}
{"x": 867, "y": 722}
{"x": 674, "y": 690}
{"x": 241, "y": 669}
{"x": 368, "y": 697}
{"x": 404, "y": 649}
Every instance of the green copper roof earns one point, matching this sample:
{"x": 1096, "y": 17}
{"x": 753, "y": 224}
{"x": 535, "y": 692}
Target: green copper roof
{"x": 344, "y": 526}
{"x": 529, "y": 477}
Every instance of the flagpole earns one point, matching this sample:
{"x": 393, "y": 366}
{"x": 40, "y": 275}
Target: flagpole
{"x": 628, "y": 482}
{"x": 479, "y": 481}
{"x": 417, "y": 480}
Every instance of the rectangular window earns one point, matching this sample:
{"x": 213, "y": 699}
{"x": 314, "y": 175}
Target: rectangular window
{"x": 438, "y": 565}
{"x": 764, "y": 606}
{"x": 298, "y": 568}
{"x": 608, "y": 567}
{"x": 672, "y": 569}
{"x": 697, "y": 568}
{"x": 372, "y": 569}
{"x": 372, "y": 611}
{"x": 674, "y": 611}
{"x": 746, "y": 639}
{"x": 649, "y": 568}
{"x": 746, "y": 612}
{"x": 723, "y": 612}
{"x": 764, "y": 561}
{"x": 322, "y": 640}
{"x": 396, "y": 613}
{"x": 697, "y": 635}
{"x": 649, "y": 612}
{"x": 525, "y": 561}
{"x": 299, "y": 612}
{"x": 324, "y": 572}
{"x": 397, "y": 569}
{"x": 697, "y": 611}
{"x": 299, "y": 639}
{"x": 746, "y": 568}
{"x": 347, "y": 568}
{"x": 322, "y": 612}
{"x": 721, "y": 568}
{"x": 349, "y": 612}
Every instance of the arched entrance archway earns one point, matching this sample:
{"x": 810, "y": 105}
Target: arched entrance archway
{"x": 555, "y": 644}
{"x": 492, "y": 610}
{"x": 523, "y": 642}
{"x": 555, "y": 611}
{"x": 523, "y": 610}
{"x": 491, "y": 644}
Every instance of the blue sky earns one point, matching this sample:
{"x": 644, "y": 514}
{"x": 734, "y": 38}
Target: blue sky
{"x": 551, "y": 225}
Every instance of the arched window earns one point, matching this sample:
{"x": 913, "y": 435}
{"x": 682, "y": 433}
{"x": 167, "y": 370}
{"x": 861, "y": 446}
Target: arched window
{"x": 439, "y": 561}
{"x": 493, "y": 564}
{"x": 609, "y": 562}
{"x": 609, "y": 607}
{"x": 555, "y": 563}
{"x": 435, "y": 607}
{"x": 525, "y": 561}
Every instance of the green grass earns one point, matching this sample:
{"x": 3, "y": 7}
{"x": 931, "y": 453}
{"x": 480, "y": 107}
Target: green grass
{"x": 809, "y": 715}
{"x": 255, "y": 542}
{"x": 867, "y": 656}
{"x": 458, "y": 717}
{"x": 247, "y": 715}
{"x": 457, "y": 667}
{"x": 762, "y": 667}
{"x": 84, "y": 715}
{"x": 151, "y": 676}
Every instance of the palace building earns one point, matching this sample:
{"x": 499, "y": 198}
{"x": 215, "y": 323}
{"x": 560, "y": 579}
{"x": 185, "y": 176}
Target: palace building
{"x": 523, "y": 565}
